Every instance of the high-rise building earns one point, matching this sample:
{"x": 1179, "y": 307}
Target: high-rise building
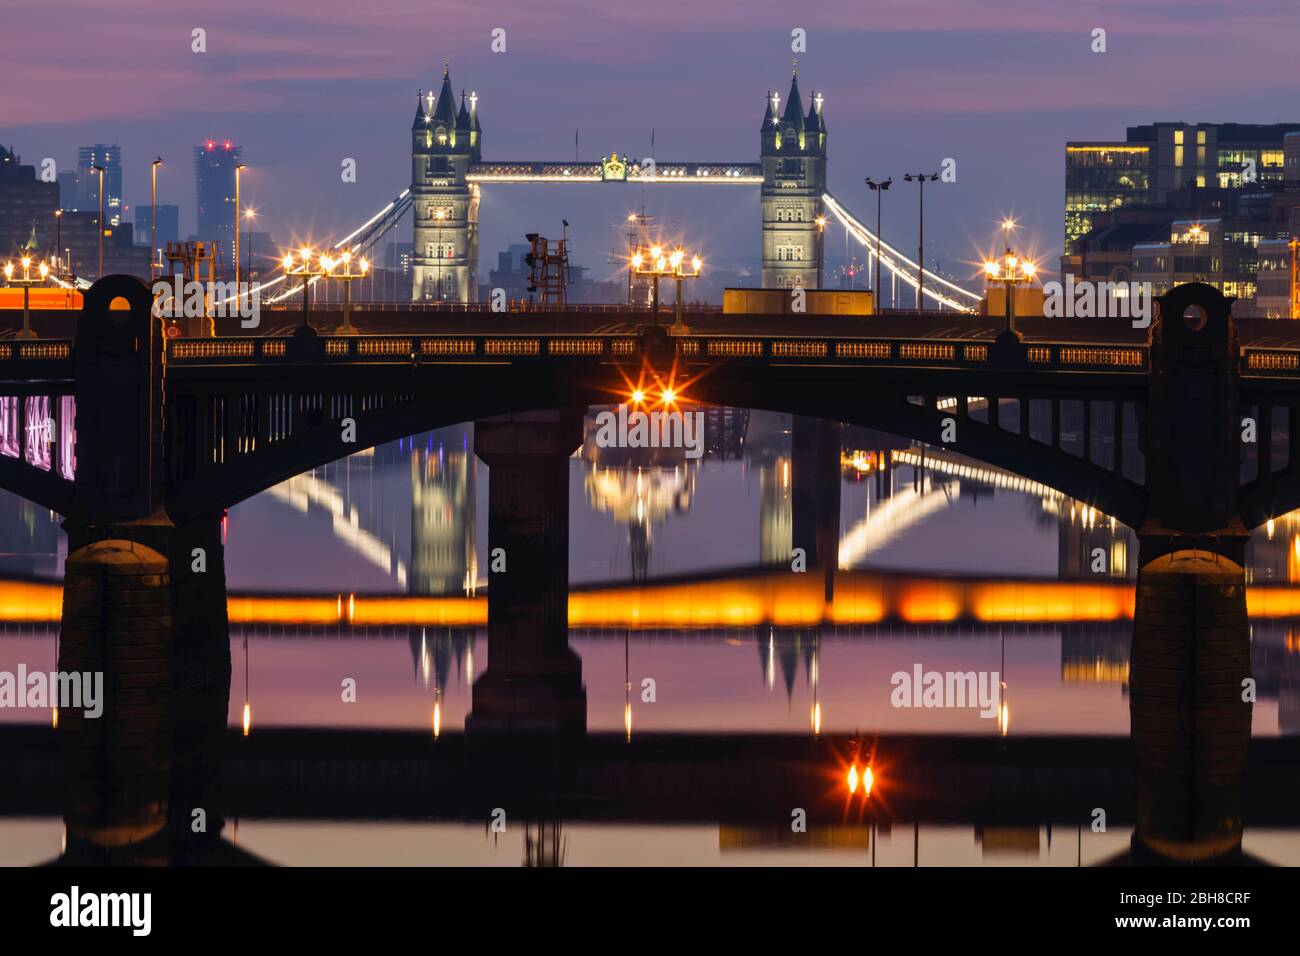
{"x": 794, "y": 179}
{"x": 168, "y": 225}
{"x": 214, "y": 181}
{"x": 26, "y": 204}
{"x": 69, "y": 190}
{"x": 1157, "y": 160}
{"x": 109, "y": 158}
{"x": 445, "y": 204}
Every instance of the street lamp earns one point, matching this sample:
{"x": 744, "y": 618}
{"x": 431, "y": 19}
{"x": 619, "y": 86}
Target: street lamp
{"x": 674, "y": 265}
{"x": 920, "y": 179}
{"x": 249, "y": 215}
{"x": 440, "y": 215}
{"x": 1011, "y": 270}
{"x": 153, "y": 217}
{"x": 302, "y": 267}
{"x": 58, "y": 241}
{"x": 100, "y": 170}
{"x": 879, "y": 189}
{"x": 347, "y": 277}
{"x": 821, "y": 245}
{"x": 27, "y": 281}
{"x": 239, "y": 168}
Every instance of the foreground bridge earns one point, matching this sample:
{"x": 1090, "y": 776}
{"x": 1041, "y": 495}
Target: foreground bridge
{"x": 142, "y": 444}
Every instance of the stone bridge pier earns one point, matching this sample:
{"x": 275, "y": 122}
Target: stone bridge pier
{"x": 533, "y": 681}
{"x": 144, "y": 605}
{"x": 1190, "y": 705}
{"x": 815, "y": 493}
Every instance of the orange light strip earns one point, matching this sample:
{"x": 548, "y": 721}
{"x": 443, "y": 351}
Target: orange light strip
{"x": 783, "y": 599}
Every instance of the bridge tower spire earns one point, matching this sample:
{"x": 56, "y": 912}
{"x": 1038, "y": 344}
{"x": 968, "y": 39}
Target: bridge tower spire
{"x": 793, "y": 153}
{"x": 445, "y": 204}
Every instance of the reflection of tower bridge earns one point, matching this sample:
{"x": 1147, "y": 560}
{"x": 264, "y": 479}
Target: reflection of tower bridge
{"x": 448, "y": 173}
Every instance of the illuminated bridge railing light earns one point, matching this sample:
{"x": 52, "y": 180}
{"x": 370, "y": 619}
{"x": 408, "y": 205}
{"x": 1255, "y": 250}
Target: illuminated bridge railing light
{"x": 45, "y": 350}
{"x": 512, "y": 347}
{"x": 212, "y": 348}
{"x": 274, "y": 347}
{"x": 448, "y": 347}
{"x": 927, "y": 351}
{"x": 751, "y": 348}
{"x": 799, "y": 348}
{"x": 575, "y": 347}
{"x": 688, "y": 346}
{"x": 1272, "y": 361}
{"x": 975, "y": 353}
{"x": 1125, "y": 358}
{"x": 1039, "y": 355}
{"x": 863, "y": 350}
{"x": 384, "y": 346}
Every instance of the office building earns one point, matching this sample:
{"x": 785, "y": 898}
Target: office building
{"x": 109, "y": 158}
{"x": 214, "y": 182}
{"x": 1156, "y": 160}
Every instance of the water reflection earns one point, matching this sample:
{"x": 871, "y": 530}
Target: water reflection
{"x": 761, "y": 679}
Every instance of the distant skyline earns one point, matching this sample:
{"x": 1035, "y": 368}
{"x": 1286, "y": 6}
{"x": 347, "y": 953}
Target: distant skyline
{"x": 999, "y": 87}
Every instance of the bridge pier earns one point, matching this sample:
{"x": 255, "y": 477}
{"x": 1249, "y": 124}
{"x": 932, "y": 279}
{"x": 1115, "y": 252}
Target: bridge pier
{"x": 815, "y": 492}
{"x": 533, "y": 681}
{"x": 1189, "y": 721}
{"x": 136, "y": 610}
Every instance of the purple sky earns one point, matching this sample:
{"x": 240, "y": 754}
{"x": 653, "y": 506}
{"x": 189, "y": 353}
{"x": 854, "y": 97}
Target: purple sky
{"x": 999, "y": 87}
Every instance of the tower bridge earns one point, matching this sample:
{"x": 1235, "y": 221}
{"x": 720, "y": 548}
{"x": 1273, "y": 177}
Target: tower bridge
{"x": 448, "y": 172}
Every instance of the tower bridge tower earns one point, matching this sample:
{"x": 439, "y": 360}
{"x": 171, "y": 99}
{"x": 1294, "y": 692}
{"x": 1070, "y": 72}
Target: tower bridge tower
{"x": 444, "y": 142}
{"x": 794, "y": 178}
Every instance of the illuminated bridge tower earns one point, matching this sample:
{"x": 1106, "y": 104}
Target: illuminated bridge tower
{"x": 794, "y": 178}
{"x": 444, "y": 141}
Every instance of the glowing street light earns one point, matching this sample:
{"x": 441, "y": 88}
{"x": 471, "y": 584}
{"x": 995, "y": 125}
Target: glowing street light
{"x": 677, "y": 265}
{"x": 347, "y": 276}
{"x": 1011, "y": 270}
{"x": 302, "y": 267}
{"x": 27, "y": 280}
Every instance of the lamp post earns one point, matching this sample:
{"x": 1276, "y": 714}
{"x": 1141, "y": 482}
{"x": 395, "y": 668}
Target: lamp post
{"x": 153, "y": 216}
{"x": 879, "y": 189}
{"x": 58, "y": 241}
{"x": 440, "y": 215}
{"x": 302, "y": 267}
{"x": 27, "y": 281}
{"x": 249, "y": 215}
{"x": 347, "y": 277}
{"x": 1011, "y": 270}
{"x": 821, "y": 245}
{"x": 100, "y": 170}
{"x": 239, "y": 168}
{"x": 675, "y": 266}
{"x": 920, "y": 179}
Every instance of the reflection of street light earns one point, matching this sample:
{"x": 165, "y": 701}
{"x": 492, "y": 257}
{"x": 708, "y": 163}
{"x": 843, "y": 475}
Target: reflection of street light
{"x": 27, "y": 281}
{"x": 1011, "y": 270}
{"x": 675, "y": 265}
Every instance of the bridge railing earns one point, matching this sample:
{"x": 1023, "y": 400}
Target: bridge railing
{"x": 39, "y": 350}
{"x": 624, "y": 347}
